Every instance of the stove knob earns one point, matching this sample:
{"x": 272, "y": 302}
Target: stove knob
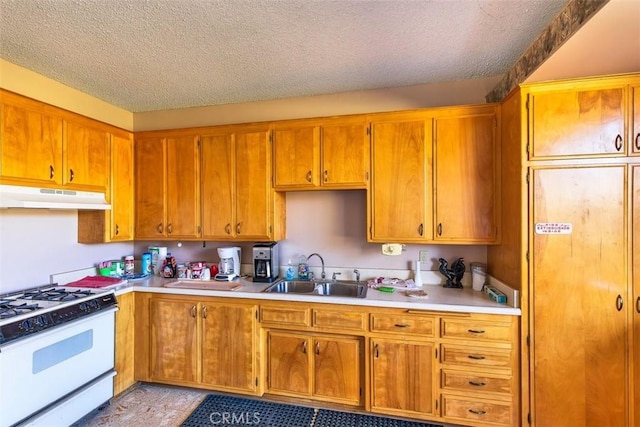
{"x": 40, "y": 321}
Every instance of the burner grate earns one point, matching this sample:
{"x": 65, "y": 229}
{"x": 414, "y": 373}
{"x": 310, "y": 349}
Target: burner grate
{"x": 10, "y": 309}
{"x": 55, "y": 294}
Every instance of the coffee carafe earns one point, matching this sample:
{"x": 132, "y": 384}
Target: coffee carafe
{"x": 229, "y": 266}
{"x": 265, "y": 262}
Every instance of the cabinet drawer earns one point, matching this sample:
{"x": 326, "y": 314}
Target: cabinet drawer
{"x": 404, "y": 324}
{"x": 285, "y": 316}
{"x": 477, "y": 410}
{"x": 475, "y": 356}
{"x": 476, "y": 382}
{"x": 476, "y": 330}
{"x": 328, "y": 319}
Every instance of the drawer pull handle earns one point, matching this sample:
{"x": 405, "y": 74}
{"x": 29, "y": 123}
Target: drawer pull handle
{"x": 401, "y": 325}
{"x": 304, "y": 347}
{"x": 117, "y": 229}
{"x": 477, "y": 411}
{"x": 376, "y": 351}
{"x": 477, "y": 383}
{"x": 169, "y": 228}
{"x": 193, "y": 311}
{"x": 204, "y": 312}
{"x": 638, "y": 304}
{"x": 71, "y": 175}
{"x": 309, "y": 176}
{"x": 52, "y": 171}
{"x": 476, "y": 331}
{"x": 326, "y": 176}
{"x": 619, "y": 303}
{"x": 227, "y": 228}
{"x": 476, "y": 357}
{"x": 638, "y": 141}
{"x": 317, "y": 347}
{"x": 160, "y": 228}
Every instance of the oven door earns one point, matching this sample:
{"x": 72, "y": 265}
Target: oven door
{"x": 48, "y": 366}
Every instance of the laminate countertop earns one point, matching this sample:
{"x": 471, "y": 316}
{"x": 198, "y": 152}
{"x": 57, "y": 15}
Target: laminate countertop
{"x": 438, "y": 298}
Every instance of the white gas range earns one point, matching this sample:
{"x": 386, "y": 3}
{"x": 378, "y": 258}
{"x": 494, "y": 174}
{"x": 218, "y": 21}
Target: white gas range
{"x": 56, "y": 354}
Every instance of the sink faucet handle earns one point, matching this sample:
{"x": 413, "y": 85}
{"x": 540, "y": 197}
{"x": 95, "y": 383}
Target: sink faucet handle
{"x": 334, "y": 276}
{"x": 357, "y": 273}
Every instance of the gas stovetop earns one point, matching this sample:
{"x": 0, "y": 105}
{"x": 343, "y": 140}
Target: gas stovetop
{"x": 34, "y": 310}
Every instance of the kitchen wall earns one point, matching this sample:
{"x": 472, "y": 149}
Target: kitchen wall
{"x": 35, "y": 244}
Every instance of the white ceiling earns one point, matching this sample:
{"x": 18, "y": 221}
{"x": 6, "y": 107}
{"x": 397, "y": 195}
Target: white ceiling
{"x": 165, "y": 54}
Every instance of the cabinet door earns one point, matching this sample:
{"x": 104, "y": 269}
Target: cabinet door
{"x": 125, "y": 351}
{"x": 218, "y": 186}
{"x": 577, "y": 123}
{"x": 464, "y": 153}
{"x": 400, "y": 167}
{"x": 337, "y": 369}
{"x": 86, "y": 156}
{"x": 172, "y": 343}
{"x": 31, "y": 144}
{"x": 150, "y": 188}
{"x": 635, "y": 120}
{"x": 228, "y": 347}
{"x": 121, "y": 188}
{"x": 254, "y": 198}
{"x": 345, "y": 156}
{"x": 579, "y": 252}
{"x": 289, "y": 364}
{"x": 296, "y": 157}
{"x": 635, "y": 233}
{"x": 183, "y": 187}
{"x": 402, "y": 378}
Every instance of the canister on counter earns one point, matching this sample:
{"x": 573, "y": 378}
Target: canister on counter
{"x": 196, "y": 268}
{"x": 147, "y": 267}
{"x": 182, "y": 271}
{"x": 129, "y": 264}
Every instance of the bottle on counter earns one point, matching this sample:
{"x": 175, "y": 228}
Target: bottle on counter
{"x": 290, "y": 274}
{"x": 169, "y": 267}
{"x": 129, "y": 265}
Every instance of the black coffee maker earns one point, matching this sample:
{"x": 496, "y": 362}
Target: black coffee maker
{"x": 265, "y": 262}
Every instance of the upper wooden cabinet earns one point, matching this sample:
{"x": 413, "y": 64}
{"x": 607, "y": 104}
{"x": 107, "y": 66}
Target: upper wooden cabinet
{"x": 167, "y": 170}
{"x": 117, "y": 223}
{"x": 331, "y": 154}
{"x": 238, "y": 201}
{"x": 47, "y": 146}
{"x": 400, "y": 207}
{"x": 86, "y": 155}
{"x": 31, "y": 141}
{"x": 464, "y": 158}
{"x": 582, "y": 119}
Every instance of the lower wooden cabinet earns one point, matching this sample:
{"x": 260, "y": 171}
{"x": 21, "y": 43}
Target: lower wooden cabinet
{"x": 402, "y": 378}
{"x": 125, "y": 348}
{"x": 200, "y": 342}
{"x": 322, "y": 367}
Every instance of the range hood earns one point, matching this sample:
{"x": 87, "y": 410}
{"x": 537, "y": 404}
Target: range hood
{"x": 15, "y": 196}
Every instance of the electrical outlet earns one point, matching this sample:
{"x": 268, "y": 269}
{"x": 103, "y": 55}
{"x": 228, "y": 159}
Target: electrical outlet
{"x": 424, "y": 257}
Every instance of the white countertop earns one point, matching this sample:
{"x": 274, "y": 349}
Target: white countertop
{"x": 439, "y": 298}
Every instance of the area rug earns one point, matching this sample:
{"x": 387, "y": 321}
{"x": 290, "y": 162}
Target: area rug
{"x": 226, "y": 410}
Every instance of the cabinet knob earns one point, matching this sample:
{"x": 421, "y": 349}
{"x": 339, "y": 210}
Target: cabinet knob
{"x": 421, "y": 229}
{"x": 227, "y": 228}
{"x": 238, "y": 228}
{"x": 638, "y": 304}
{"x": 440, "y": 229}
{"x": 160, "y": 229}
{"x": 309, "y": 176}
{"x": 376, "y": 351}
{"x": 193, "y": 311}
{"x": 304, "y": 347}
{"x": 52, "y": 171}
{"x": 117, "y": 229}
{"x": 71, "y": 175}
{"x": 317, "y": 347}
{"x": 204, "y": 312}
{"x": 619, "y": 303}
{"x": 169, "y": 228}
{"x": 326, "y": 175}
{"x": 637, "y": 141}
{"x": 618, "y": 142}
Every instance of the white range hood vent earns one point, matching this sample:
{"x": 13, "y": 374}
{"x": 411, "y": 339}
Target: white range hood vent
{"x": 14, "y": 196}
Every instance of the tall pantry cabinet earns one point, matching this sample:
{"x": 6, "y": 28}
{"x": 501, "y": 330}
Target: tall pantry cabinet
{"x": 575, "y": 231}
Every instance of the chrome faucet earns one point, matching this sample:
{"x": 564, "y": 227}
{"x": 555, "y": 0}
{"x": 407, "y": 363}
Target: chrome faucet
{"x": 357, "y": 272}
{"x": 323, "y": 275}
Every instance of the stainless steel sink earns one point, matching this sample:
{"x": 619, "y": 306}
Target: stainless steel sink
{"x": 324, "y": 288}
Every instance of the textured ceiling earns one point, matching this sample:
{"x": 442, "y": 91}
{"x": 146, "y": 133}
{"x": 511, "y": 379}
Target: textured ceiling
{"x": 157, "y": 55}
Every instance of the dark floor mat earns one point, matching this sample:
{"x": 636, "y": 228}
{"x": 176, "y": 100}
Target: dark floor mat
{"x": 225, "y": 410}
{"x": 326, "y": 418}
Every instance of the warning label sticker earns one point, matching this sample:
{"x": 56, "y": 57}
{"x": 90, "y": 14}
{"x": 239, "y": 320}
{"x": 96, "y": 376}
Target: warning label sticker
{"x": 554, "y": 228}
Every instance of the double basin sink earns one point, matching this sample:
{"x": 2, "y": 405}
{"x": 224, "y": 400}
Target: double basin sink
{"x": 324, "y": 288}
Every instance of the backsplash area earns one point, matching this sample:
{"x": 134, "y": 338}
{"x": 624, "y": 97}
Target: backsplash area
{"x": 333, "y": 224}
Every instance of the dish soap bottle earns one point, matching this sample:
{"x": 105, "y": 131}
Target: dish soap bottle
{"x": 290, "y": 273}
